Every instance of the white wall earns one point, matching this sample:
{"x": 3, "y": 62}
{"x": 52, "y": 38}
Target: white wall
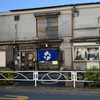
{"x": 26, "y": 27}
{"x": 65, "y": 32}
{"x": 88, "y": 18}
{"x": 86, "y": 33}
{"x": 7, "y": 28}
{"x": 65, "y": 24}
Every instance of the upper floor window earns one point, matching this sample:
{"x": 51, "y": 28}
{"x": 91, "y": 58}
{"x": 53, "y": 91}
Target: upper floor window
{"x": 47, "y": 27}
{"x": 16, "y": 18}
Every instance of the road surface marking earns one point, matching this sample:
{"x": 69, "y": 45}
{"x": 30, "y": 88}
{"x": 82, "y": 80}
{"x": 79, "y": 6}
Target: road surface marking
{"x": 14, "y": 97}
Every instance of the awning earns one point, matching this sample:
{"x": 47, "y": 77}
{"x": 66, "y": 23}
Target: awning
{"x": 15, "y": 42}
{"x": 30, "y": 41}
{"x": 47, "y": 14}
{"x": 86, "y": 39}
{"x": 48, "y": 40}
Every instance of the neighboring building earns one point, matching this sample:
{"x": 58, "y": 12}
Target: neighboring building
{"x": 71, "y": 33}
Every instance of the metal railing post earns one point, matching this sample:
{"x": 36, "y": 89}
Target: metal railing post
{"x": 74, "y": 78}
{"x": 35, "y": 77}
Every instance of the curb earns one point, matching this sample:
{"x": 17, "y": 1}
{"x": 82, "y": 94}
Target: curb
{"x": 52, "y": 89}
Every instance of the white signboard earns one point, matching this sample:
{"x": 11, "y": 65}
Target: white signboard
{"x": 2, "y": 59}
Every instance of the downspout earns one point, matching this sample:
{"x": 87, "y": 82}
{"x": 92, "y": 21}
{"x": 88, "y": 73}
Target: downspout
{"x": 72, "y": 17}
{"x": 14, "y": 44}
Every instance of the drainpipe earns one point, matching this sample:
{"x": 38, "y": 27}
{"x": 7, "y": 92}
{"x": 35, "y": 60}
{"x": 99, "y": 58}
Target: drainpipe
{"x": 14, "y": 45}
{"x": 72, "y": 23}
{"x": 75, "y": 13}
{"x": 72, "y": 17}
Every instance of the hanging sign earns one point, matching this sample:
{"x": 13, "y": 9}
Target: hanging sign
{"x": 47, "y": 55}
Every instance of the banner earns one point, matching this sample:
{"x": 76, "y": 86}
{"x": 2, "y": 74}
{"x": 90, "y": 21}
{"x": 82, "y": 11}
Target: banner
{"x": 47, "y": 55}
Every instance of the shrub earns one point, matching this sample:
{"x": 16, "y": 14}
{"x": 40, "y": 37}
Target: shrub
{"x": 93, "y": 74}
{"x": 6, "y": 82}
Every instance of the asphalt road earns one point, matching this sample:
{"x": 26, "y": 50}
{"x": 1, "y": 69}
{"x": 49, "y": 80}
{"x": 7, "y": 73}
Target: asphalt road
{"x": 31, "y": 95}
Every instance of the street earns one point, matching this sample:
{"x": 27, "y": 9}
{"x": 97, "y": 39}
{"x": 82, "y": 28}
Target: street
{"x": 31, "y": 95}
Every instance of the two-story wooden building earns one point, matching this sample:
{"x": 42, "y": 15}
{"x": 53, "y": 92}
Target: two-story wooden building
{"x": 69, "y": 34}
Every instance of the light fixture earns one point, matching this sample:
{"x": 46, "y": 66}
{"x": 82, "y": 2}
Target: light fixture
{"x": 75, "y": 13}
{"x": 46, "y": 45}
{"x": 14, "y": 46}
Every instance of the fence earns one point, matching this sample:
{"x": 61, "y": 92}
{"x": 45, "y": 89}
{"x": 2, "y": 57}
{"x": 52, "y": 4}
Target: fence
{"x": 44, "y": 76}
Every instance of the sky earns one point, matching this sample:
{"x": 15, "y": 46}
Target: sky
{"x": 6, "y": 5}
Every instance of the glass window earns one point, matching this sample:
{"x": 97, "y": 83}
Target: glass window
{"x": 53, "y": 62}
{"x": 93, "y": 53}
{"x": 47, "y": 27}
{"x": 2, "y": 48}
{"x": 49, "y": 62}
{"x": 41, "y": 27}
{"x": 52, "y": 22}
{"x": 89, "y": 53}
{"x": 16, "y": 18}
{"x": 43, "y": 62}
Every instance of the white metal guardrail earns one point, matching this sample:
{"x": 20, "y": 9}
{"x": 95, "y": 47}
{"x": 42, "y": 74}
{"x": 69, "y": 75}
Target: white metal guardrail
{"x": 44, "y": 76}
{"x": 54, "y": 76}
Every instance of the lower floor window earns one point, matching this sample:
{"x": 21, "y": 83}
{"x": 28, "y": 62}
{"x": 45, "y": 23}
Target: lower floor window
{"x": 50, "y": 62}
{"x": 86, "y": 53}
{"x": 54, "y": 62}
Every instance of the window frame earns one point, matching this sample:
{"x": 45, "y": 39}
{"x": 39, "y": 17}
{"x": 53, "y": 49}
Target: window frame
{"x": 44, "y": 17}
{"x": 84, "y": 46}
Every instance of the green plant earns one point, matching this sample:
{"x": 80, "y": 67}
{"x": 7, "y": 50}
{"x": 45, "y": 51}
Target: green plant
{"x": 93, "y": 75}
{"x": 7, "y": 75}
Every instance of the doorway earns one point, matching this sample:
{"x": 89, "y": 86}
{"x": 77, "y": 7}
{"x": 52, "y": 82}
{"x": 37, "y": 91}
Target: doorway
{"x": 28, "y": 59}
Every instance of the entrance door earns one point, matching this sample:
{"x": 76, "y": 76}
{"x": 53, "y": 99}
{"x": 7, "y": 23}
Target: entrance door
{"x": 28, "y": 59}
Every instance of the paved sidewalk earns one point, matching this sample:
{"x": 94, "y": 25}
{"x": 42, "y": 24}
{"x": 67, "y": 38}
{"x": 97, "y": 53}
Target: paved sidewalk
{"x": 53, "y": 89}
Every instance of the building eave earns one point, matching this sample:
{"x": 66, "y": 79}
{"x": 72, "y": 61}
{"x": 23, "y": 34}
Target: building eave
{"x": 86, "y": 39}
{"x": 79, "y": 4}
{"x": 30, "y": 41}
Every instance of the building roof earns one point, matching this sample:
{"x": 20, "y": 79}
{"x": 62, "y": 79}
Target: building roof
{"x": 28, "y": 9}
